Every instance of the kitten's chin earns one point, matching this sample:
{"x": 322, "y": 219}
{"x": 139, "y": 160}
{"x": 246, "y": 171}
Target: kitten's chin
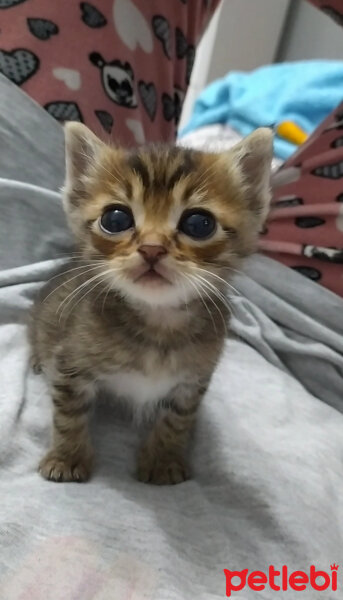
{"x": 153, "y": 279}
{"x": 153, "y": 291}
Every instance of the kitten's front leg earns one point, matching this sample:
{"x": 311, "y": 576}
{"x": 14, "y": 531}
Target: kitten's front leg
{"x": 71, "y": 455}
{"x": 161, "y": 459}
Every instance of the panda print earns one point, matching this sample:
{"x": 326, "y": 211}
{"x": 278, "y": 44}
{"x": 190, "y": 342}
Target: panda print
{"x": 117, "y": 80}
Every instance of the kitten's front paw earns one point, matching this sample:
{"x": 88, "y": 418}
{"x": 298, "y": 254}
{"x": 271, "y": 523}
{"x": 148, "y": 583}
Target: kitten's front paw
{"x": 162, "y": 470}
{"x": 58, "y": 468}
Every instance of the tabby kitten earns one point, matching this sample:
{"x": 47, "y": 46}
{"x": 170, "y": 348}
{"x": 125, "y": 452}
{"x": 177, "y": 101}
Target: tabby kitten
{"x": 143, "y": 310}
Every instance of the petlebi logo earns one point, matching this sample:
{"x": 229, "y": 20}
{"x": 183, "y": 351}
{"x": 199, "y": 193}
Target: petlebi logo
{"x": 281, "y": 580}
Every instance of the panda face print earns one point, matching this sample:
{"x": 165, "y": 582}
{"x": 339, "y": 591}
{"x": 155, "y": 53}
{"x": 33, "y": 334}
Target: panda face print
{"x": 117, "y": 80}
{"x": 118, "y": 85}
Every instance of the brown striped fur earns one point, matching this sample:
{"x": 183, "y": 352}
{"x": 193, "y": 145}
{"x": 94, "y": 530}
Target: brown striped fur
{"x": 95, "y": 325}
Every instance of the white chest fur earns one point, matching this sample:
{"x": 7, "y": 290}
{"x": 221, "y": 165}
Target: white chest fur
{"x": 139, "y": 388}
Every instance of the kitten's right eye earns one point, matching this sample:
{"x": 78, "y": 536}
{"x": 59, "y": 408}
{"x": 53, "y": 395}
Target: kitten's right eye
{"x": 116, "y": 219}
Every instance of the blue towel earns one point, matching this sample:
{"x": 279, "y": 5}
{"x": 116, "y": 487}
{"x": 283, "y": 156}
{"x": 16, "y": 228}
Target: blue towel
{"x": 302, "y": 92}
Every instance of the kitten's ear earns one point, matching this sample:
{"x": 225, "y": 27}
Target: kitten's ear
{"x": 253, "y": 156}
{"x": 82, "y": 149}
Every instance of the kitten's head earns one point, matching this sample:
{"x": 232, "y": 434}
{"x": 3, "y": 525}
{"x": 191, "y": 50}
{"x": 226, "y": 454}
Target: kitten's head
{"x": 165, "y": 223}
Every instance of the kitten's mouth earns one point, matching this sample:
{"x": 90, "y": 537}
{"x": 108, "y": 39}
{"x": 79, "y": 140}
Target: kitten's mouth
{"x": 151, "y": 276}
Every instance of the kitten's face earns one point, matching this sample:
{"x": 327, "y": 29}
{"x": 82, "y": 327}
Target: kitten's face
{"x": 165, "y": 222}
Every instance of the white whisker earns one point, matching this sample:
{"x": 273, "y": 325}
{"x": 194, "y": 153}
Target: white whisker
{"x": 75, "y": 292}
{"x": 223, "y": 299}
{"x": 203, "y": 287}
{"x": 220, "y": 279}
{"x": 226, "y": 267}
{"x": 73, "y": 269}
{"x": 203, "y": 301}
{"x": 215, "y": 289}
{"x": 185, "y": 297}
{"x": 80, "y": 299}
{"x": 105, "y": 298}
{"x": 69, "y": 280}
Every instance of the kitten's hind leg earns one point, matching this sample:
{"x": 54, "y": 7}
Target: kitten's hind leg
{"x": 71, "y": 455}
{"x": 161, "y": 459}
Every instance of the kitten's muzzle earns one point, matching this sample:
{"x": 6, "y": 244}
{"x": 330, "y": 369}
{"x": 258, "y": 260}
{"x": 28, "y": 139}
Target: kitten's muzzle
{"x": 152, "y": 253}
{"x": 151, "y": 269}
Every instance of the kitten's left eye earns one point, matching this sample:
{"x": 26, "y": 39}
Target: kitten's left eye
{"x": 198, "y": 224}
{"x": 116, "y": 219}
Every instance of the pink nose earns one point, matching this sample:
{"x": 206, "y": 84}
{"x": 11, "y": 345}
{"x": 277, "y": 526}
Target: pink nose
{"x": 152, "y": 254}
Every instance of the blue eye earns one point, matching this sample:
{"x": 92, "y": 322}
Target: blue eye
{"x": 117, "y": 219}
{"x": 197, "y": 224}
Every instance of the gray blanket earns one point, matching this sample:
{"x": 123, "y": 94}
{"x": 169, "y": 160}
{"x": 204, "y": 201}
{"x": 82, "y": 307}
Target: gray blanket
{"x": 267, "y": 455}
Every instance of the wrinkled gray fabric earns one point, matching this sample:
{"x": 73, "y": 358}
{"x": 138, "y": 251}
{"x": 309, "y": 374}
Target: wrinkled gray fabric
{"x": 293, "y": 322}
{"x": 267, "y": 455}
